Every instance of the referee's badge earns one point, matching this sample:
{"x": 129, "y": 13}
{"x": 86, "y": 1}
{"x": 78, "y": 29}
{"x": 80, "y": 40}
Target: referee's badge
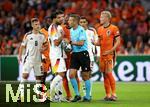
{"x": 108, "y": 32}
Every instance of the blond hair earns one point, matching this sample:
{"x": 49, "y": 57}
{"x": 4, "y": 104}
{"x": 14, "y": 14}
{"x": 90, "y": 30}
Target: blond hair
{"x": 107, "y": 13}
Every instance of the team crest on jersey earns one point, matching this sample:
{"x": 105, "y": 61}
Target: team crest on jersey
{"x": 108, "y": 32}
{"x": 31, "y": 38}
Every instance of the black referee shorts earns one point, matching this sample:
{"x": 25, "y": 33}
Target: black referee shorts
{"x": 80, "y": 59}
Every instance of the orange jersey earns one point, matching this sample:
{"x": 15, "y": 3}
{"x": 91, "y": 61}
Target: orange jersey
{"x": 67, "y": 35}
{"x": 66, "y": 32}
{"x": 46, "y": 61}
{"x": 46, "y": 52}
{"x": 107, "y": 37}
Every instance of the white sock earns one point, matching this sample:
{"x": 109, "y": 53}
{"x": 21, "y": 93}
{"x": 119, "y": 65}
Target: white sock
{"x": 55, "y": 82}
{"x": 21, "y": 87}
{"x": 59, "y": 90}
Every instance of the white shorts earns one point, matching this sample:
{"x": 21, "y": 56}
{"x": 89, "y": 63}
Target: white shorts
{"x": 58, "y": 65}
{"x": 37, "y": 68}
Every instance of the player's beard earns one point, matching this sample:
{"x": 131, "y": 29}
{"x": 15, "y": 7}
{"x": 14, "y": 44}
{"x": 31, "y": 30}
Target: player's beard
{"x": 38, "y": 28}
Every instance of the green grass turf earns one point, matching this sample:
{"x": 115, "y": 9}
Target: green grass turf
{"x": 130, "y": 94}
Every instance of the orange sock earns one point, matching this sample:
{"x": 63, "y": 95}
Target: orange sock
{"x": 66, "y": 87}
{"x": 112, "y": 83}
{"x": 78, "y": 81}
{"x": 107, "y": 86}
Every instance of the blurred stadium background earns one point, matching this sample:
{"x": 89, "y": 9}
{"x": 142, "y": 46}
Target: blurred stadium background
{"x": 132, "y": 17}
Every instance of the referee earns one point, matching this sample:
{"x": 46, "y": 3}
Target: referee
{"x": 79, "y": 58}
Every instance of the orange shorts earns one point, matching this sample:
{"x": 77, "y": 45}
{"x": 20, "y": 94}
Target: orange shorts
{"x": 46, "y": 65}
{"x": 106, "y": 64}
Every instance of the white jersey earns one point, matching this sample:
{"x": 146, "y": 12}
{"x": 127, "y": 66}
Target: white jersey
{"x": 91, "y": 36}
{"x": 33, "y": 43}
{"x": 54, "y": 32}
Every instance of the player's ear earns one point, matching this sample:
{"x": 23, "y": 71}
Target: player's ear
{"x": 32, "y": 25}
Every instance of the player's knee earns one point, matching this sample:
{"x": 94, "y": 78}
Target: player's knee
{"x": 72, "y": 74}
{"x": 62, "y": 74}
{"x": 85, "y": 76}
{"x": 107, "y": 73}
{"x": 39, "y": 78}
{"x": 25, "y": 75}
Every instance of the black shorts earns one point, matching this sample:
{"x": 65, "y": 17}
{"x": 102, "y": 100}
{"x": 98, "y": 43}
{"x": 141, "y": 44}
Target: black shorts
{"x": 80, "y": 59}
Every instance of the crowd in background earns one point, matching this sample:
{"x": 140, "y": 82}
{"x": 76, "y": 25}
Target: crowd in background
{"x": 130, "y": 15}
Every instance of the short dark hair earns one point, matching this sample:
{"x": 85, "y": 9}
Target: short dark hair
{"x": 83, "y": 17}
{"x": 34, "y": 20}
{"x": 46, "y": 17}
{"x": 75, "y": 16}
{"x": 54, "y": 14}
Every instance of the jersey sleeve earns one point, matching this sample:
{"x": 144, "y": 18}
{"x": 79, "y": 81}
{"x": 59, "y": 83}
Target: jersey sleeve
{"x": 116, "y": 31}
{"x": 82, "y": 35}
{"x": 45, "y": 32}
{"x": 56, "y": 33}
{"x": 52, "y": 33}
{"x": 44, "y": 39}
{"x": 24, "y": 41}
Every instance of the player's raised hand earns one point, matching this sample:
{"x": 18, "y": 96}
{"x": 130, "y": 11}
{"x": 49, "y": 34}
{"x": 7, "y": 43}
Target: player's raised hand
{"x": 66, "y": 40}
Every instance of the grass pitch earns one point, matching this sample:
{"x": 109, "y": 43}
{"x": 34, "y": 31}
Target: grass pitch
{"x": 130, "y": 94}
